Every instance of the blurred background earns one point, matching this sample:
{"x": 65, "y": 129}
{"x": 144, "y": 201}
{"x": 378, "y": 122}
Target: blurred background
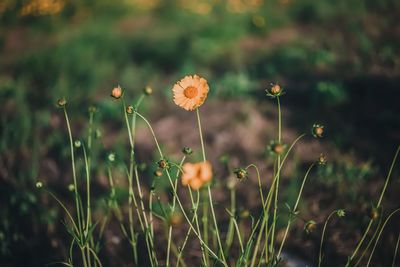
{"x": 338, "y": 61}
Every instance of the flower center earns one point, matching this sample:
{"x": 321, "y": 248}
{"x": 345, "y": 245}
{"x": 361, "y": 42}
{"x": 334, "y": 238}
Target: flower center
{"x": 190, "y": 92}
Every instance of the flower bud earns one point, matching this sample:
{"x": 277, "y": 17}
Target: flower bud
{"x": 163, "y": 164}
{"x": 276, "y": 148}
{"x": 240, "y": 173}
{"x": 39, "y": 184}
{"x": 187, "y": 150}
{"x": 97, "y": 134}
{"x": 158, "y": 173}
{"x": 310, "y": 226}
{"x": 317, "y": 131}
{"x": 147, "y": 90}
{"x": 129, "y": 109}
{"x": 62, "y": 102}
{"x": 275, "y": 91}
{"x": 116, "y": 92}
{"x": 71, "y": 187}
{"x": 322, "y": 159}
{"x": 77, "y": 143}
{"x": 244, "y": 214}
{"x": 111, "y": 157}
{"x": 374, "y": 213}
{"x": 175, "y": 219}
{"x": 340, "y": 213}
{"x": 92, "y": 109}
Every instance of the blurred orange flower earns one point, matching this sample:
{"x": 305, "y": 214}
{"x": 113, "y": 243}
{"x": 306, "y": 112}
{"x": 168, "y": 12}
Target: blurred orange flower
{"x": 190, "y": 92}
{"x": 196, "y": 174}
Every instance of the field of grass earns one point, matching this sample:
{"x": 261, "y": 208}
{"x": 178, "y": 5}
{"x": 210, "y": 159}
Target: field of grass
{"x": 337, "y": 62}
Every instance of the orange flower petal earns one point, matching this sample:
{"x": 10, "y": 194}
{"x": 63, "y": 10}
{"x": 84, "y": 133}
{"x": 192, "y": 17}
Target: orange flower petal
{"x": 196, "y": 99}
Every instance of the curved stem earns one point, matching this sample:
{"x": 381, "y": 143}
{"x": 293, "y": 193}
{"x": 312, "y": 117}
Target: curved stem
{"x": 378, "y": 205}
{"x": 173, "y": 210}
{"x": 78, "y": 211}
{"x": 209, "y": 189}
{"x": 259, "y": 181}
{"x": 395, "y": 250}
{"x": 294, "y": 209}
{"x": 322, "y": 238}
{"x": 174, "y": 191}
{"x": 379, "y": 235}
{"x": 278, "y": 176}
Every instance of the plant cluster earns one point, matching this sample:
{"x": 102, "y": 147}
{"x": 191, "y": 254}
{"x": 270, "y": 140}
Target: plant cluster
{"x": 254, "y": 245}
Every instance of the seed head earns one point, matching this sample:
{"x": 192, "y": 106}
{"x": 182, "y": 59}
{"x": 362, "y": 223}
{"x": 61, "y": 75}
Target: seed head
{"x": 148, "y": 90}
{"x": 318, "y": 130}
{"x": 62, "y": 102}
{"x": 116, "y": 92}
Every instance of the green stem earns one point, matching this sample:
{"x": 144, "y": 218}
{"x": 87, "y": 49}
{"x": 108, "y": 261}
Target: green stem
{"x": 395, "y": 250}
{"x": 278, "y": 177}
{"x": 174, "y": 191}
{"x": 209, "y": 189}
{"x": 378, "y": 205}
{"x": 78, "y": 211}
{"x": 322, "y": 237}
{"x": 196, "y": 219}
{"x": 294, "y": 209}
{"x": 379, "y": 235}
{"x": 173, "y": 210}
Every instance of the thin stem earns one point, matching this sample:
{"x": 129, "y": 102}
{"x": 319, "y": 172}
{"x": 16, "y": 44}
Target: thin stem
{"x": 294, "y": 209}
{"x": 196, "y": 219}
{"x": 78, "y": 211}
{"x": 209, "y": 188}
{"x": 395, "y": 250}
{"x": 174, "y": 191}
{"x": 378, "y": 205}
{"x": 369, "y": 243}
{"x": 173, "y": 210}
{"x": 259, "y": 181}
{"x": 322, "y": 237}
{"x": 278, "y": 176}
{"x": 379, "y": 235}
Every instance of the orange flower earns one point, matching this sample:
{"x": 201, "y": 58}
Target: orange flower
{"x": 196, "y": 175}
{"x": 190, "y": 92}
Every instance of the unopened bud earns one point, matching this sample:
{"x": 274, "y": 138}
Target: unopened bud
{"x": 240, "y": 173}
{"x": 116, "y": 92}
{"x": 147, "y": 90}
{"x": 187, "y": 150}
{"x": 62, "y": 102}
{"x": 163, "y": 164}
{"x": 318, "y": 131}
{"x": 310, "y": 226}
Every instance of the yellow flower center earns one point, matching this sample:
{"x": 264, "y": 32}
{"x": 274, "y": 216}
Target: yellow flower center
{"x": 190, "y": 92}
